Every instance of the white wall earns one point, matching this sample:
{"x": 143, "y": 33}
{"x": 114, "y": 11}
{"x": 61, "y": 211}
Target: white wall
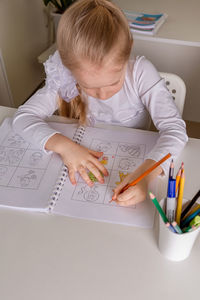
{"x": 6, "y": 98}
{"x": 176, "y": 46}
{"x": 181, "y": 60}
{"x": 23, "y": 36}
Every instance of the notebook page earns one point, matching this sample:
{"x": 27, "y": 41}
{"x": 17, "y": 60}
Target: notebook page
{"x": 27, "y": 175}
{"x": 124, "y": 151}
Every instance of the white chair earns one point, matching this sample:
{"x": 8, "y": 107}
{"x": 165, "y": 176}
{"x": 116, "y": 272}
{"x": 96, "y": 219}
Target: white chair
{"x": 177, "y": 88}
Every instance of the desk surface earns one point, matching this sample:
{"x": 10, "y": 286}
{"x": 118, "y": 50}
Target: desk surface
{"x": 54, "y": 257}
{"x": 182, "y": 24}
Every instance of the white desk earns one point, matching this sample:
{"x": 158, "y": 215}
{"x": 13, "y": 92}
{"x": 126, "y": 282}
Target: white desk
{"x": 52, "y": 257}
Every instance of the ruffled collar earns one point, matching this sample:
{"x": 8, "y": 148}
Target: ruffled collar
{"x": 59, "y": 78}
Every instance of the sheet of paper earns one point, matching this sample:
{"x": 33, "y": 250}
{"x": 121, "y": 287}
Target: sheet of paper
{"x": 27, "y": 174}
{"x": 124, "y": 151}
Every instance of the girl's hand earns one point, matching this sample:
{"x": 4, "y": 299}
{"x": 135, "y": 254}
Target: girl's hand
{"x": 133, "y": 195}
{"x": 77, "y": 158}
{"x": 137, "y": 193}
{"x": 80, "y": 159}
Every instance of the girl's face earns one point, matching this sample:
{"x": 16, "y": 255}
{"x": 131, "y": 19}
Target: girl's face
{"x": 100, "y": 82}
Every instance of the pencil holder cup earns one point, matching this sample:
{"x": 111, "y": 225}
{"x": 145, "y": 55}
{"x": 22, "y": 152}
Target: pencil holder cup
{"x": 174, "y": 246}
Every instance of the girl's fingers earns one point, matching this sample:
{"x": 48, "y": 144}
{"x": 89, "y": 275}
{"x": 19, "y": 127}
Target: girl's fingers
{"x": 100, "y": 167}
{"x": 132, "y": 196}
{"x": 72, "y": 178}
{"x": 126, "y": 195}
{"x": 133, "y": 201}
{"x": 119, "y": 188}
{"x": 126, "y": 203}
{"x": 82, "y": 171}
{"x": 95, "y": 172}
{"x": 95, "y": 153}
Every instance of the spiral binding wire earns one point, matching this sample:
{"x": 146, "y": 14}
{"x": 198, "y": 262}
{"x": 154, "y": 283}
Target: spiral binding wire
{"x": 58, "y": 188}
{"x": 77, "y": 138}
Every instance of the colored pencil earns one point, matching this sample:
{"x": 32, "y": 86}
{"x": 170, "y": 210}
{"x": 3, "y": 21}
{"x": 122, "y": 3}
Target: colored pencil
{"x": 195, "y": 221}
{"x": 134, "y": 182}
{"x": 171, "y": 170}
{"x": 194, "y": 224}
{"x": 176, "y": 227}
{"x": 168, "y": 225}
{"x": 191, "y": 212}
{"x": 178, "y": 177}
{"x": 159, "y": 208}
{"x": 188, "y": 207}
{"x": 171, "y": 200}
{"x": 189, "y": 228}
{"x": 180, "y": 198}
{"x": 189, "y": 218}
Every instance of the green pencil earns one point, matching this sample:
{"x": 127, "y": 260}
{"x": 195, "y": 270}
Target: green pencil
{"x": 159, "y": 208}
{"x": 188, "y": 229}
{"x": 177, "y": 228}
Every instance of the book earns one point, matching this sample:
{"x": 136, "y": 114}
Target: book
{"x": 145, "y": 23}
{"x": 32, "y": 180}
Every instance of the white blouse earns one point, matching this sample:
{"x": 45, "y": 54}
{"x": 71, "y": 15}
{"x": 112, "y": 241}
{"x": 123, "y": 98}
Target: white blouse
{"x": 143, "y": 93}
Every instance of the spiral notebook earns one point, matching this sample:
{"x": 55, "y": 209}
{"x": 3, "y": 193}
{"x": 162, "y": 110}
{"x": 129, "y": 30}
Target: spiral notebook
{"x": 33, "y": 180}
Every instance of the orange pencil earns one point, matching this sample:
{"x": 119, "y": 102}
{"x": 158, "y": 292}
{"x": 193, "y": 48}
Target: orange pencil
{"x": 134, "y": 182}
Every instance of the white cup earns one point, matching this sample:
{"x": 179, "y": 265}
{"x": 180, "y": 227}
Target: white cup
{"x": 174, "y": 246}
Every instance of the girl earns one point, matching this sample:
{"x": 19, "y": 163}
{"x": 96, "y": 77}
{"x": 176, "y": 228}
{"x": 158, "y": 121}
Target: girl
{"x": 92, "y": 78}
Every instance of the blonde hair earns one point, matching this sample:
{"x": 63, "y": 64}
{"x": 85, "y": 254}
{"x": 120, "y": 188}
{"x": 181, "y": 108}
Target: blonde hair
{"x": 89, "y": 29}
{"x": 75, "y": 109}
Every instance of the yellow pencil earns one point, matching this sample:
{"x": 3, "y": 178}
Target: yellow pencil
{"x": 180, "y": 198}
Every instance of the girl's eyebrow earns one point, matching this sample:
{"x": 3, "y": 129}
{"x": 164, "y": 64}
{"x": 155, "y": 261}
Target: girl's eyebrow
{"x": 102, "y": 86}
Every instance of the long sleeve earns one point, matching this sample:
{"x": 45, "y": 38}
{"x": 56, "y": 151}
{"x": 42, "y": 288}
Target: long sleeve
{"x": 29, "y": 120}
{"x": 157, "y": 99}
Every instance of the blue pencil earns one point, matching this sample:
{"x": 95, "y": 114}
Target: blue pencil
{"x": 168, "y": 225}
